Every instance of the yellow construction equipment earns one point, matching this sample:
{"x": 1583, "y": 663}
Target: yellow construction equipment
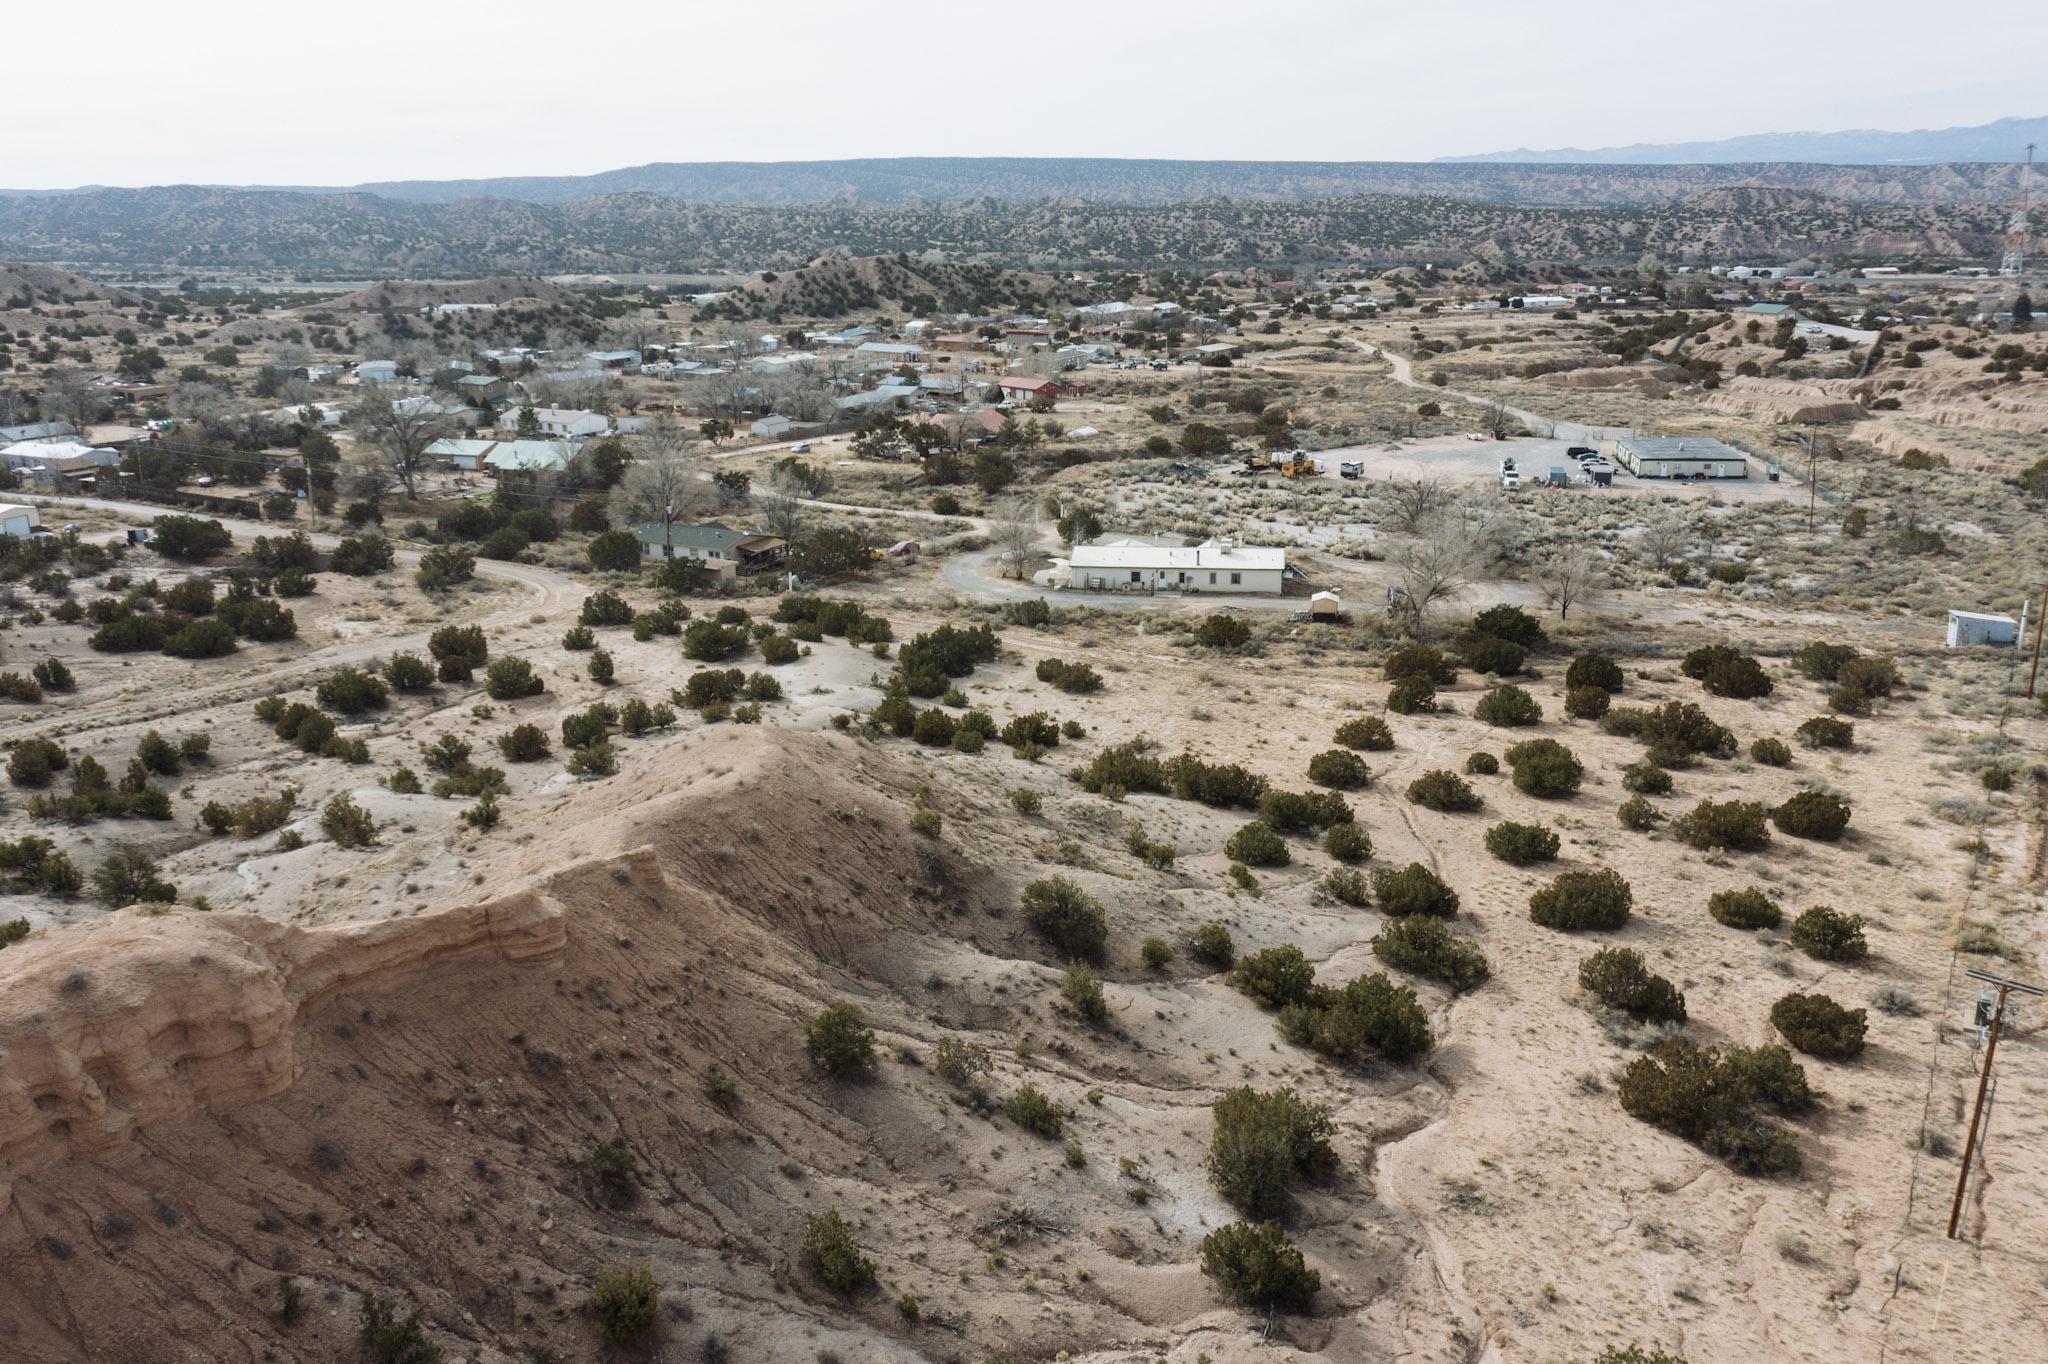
{"x": 1297, "y": 466}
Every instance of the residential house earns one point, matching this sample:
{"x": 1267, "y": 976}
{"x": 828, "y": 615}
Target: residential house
{"x": 617, "y": 360}
{"x": 725, "y": 551}
{"x": 479, "y": 389}
{"x": 896, "y": 352}
{"x": 377, "y": 372}
{"x": 55, "y": 463}
{"x": 771, "y": 427}
{"x": 562, "y": 423}
{"x": 1018, "y": 340}
{"x": 1221, "y": 566}
{"x": 9, "y": 435}
{"x": 1025, "y": 388}
{"x": 957, "y": 341}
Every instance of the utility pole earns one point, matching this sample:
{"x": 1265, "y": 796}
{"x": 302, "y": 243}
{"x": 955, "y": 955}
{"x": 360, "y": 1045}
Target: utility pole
{"x": 2041, "y": 624}
{"x": 1996, "y": 1020}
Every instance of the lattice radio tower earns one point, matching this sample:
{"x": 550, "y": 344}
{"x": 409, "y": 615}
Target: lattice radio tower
{"x": 2019, "y": 228}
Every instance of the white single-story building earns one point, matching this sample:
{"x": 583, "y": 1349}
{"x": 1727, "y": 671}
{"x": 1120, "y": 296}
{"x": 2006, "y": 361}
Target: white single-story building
{"x": 1966, "y": 628}
{"x": 18, "y": 519}
{"x": 1212, "y": 566}
{"x": 770, "y": 427}
{"x": 377, "y": 372}
{"x": 559, "y": 422}
{"x": 1679, "y": 457}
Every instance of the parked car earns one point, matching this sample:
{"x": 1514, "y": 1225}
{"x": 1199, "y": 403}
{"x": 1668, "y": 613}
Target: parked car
{"x": 1575, "y": 451}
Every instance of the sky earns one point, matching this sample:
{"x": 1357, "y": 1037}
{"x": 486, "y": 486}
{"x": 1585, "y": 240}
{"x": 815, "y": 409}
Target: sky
{"x": 257, "y": 92}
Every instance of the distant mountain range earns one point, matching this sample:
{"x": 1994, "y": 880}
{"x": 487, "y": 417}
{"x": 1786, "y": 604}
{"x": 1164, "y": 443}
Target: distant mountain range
{"x": 2004, "y": 140}
{"x": 911, "y": 181}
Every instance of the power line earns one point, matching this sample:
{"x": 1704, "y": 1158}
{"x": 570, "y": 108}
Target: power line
{"x": 1991, "y": 1016}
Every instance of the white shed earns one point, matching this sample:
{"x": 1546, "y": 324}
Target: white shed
{"x": 17, "y": 519}
{"x": 1966, "y": 628}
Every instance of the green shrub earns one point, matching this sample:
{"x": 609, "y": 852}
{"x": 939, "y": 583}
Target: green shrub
{"x": 1830, "y": 935}
{"x": 933, "y": 727}
{"x": 1225, "y": 785}
{"x": 1441, "y": 790}
{"x": 1508, "y": 707}
{"x": 1545, "y": 768}
{"x": 1077, "y": 679}
{"x": 1035, "y": 729}
{"x": 1812, "y": 814}
{"x": 1297, "y": 812}
{"x": 524, "y": 744}
{"x": 1580, "y": 900}
{"x": 1347, "y": 886}
{"x": 1067, "y": 917}
{"x": 1824, "y": 731}
{"x": 832, "y": 1256}
{"x": 605, "y": 607}
{"x": 52, "y": 675}
{"x": 1348, "y": 843}
{"x": 578, "y": 639}
{"x": 1024, "y": 800}
{"x": 1619, "y": 978}
{"x": 1513, "y": 624}
{"x": 1482, "y": 764}
{"x": 709, "y": 642}
{"x": 1339, "y": 769}
{"x": 1521, "y": 845}
{"x": 1707, "y": 1096}
{"x": 1127, "y": 767}
{"x": 388, "y": 1338}
{"x": 1821, "y": 662}
{"x": 348, "y": 824}
{"x": 1638, "y": 814}
{"x": 1414, "y": 889}
{"x": 1646, "y": 779}
{"x": 1489, "y": 654}
{"x": 1256, "y": 845}
{"x": 1156, "y": 953}
{"x": 593, "y": 760}
{"x": 1587, "y": 703}
{"x": 1594, "y": 670}
{"x": 510, "y": 678}
{"x": 1082, "y": 988}
{"x": 1367, "y": 732}
{"x": 408, "y": 672}
{"x": 1421, "y": 661}
{"x": 1031, "y": 1109}
{"x": 129, "y": 877}
{"x": 1674, "y": 732}
{"x": 779, "y": 649}
{"x": 840, "y": 1042}
{"x": 1819, "y": 1027}
{"x": 1426, "y": 946}
{"x": 201, "y": 639}
{"x": 1263, "y": 1143}
{"x": 1746, "y": 909}
{"x": 1212, "y": 945}
{"x": 1726, "y": 826}
{"x": 463, "y": 645}
{"x": 1220, "y": 631}
{"x": 1258, "y": 1267}
{"x": 1275, "y": 976}
{"x": 1727, "y": 671}
{"x": 1412, "y": 696}
{"x": 625, "y": 1306}
{"x": 361, "y": 556}
{"x": 1370, "y": 1017}
{"x": 352, "y": 691}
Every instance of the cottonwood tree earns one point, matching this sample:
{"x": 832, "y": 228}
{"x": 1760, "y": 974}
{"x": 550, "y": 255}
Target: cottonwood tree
{"x": 1662, "y": 541}
{"x": 661, "y": 484}
{"x": 1572, "y": 577}
{"x": 781, "y": 506}
{"x": 1014, "y": 530}
{"x": 1438, "y": 564}
{"x": 1413, "y": 502}
{"x": 400, "y": 433}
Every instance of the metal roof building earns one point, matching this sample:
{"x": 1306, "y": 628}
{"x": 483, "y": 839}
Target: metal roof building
{"x": 1679, "y": 457}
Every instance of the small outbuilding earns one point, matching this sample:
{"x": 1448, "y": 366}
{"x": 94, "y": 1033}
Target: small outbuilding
{"x": 1966, "y": 628}
{"x": 18, "y": 519}
{"x": 1325, "y": 606}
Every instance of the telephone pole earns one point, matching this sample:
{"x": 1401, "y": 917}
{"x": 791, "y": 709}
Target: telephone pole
{"x": 1995, "y": 1019}
{"x": 2034, "y": 673}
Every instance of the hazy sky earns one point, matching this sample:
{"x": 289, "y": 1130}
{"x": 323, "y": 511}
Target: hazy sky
{"x": 136, "y": 92}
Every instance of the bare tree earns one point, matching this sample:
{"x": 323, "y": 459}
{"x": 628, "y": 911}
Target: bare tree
{"x": 1439, "y": 563}
{"x": 781, "y": 506}
{"x": 68, "y": 397}
{"x": 1499, "y": 422}
{"x": 1662, "y": 541}
{"x": 662, "y": 484}
{"x": 1572, "y": 577}
{"x": 400, "y": 432}
{"x": 1014, "y": 530}
{"x": 1413, "y": 502}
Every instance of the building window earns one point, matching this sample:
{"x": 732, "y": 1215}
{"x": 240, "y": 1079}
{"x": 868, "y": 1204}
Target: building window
{"x": 1236, "y": 578}
{"x": 1136, "y": 576}
{"x": 1212, "y": 580}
